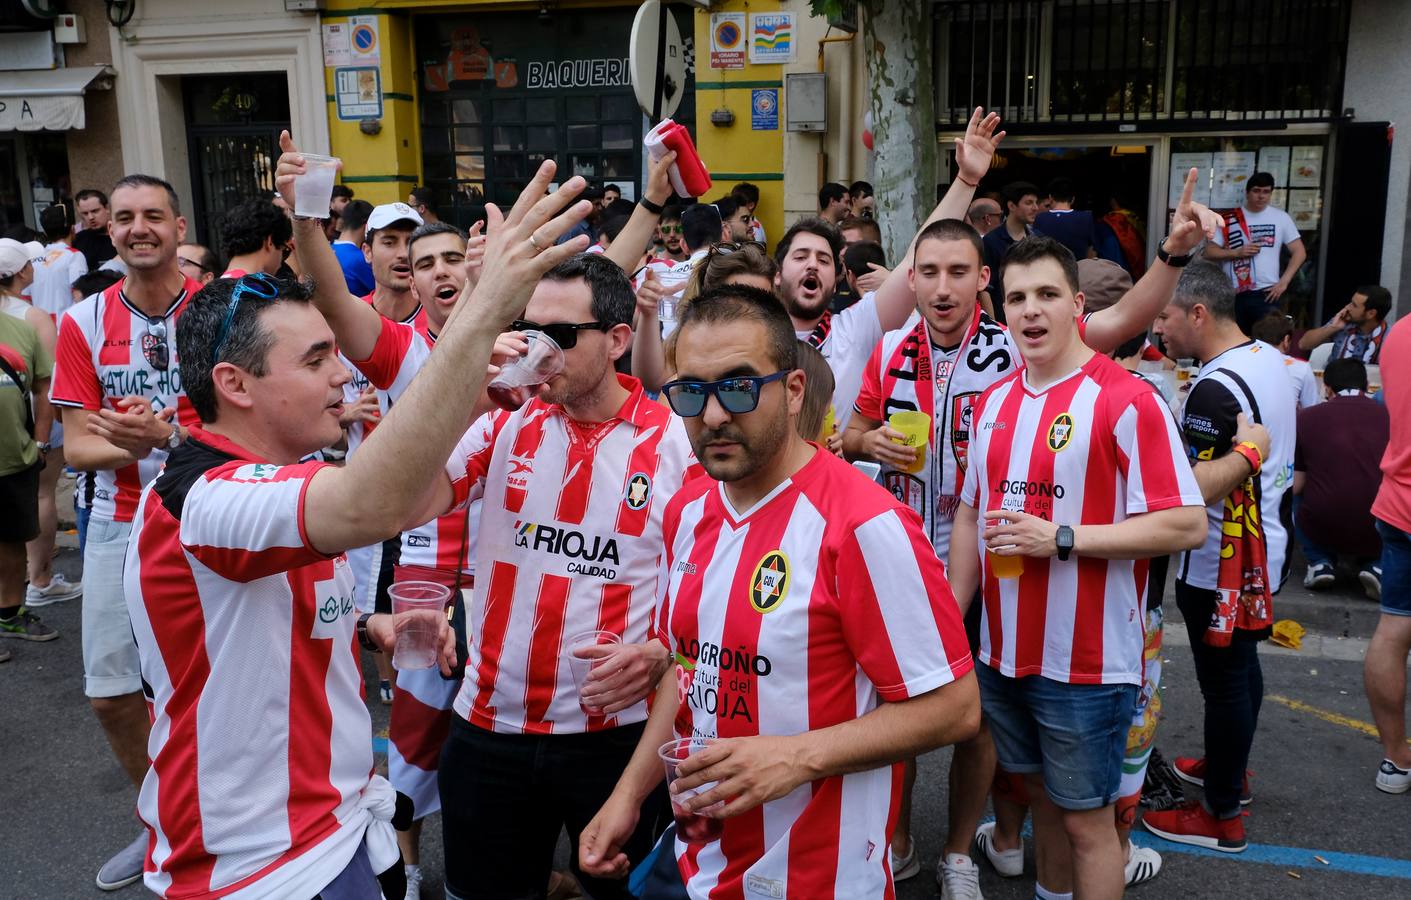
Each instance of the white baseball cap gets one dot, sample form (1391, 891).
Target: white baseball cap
(390, 213)
(14, 255)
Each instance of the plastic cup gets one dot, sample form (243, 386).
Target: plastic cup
(1374, 379)
(582, 658)
(313, 190)
(1003, 566)
(830, 425)
(419, 608)
(1184, 368)
(916, 430)
(515, 384)
(691, 827)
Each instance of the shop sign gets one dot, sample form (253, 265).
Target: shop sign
(578, 73)
(727, 40)
(48, 113)
(772, 37)
(359, 93)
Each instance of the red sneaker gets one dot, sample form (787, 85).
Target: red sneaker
(1192, 770)
(1191, 824)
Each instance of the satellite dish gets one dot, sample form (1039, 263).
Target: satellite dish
(657, 61)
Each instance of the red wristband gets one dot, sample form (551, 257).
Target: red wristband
(969, 184)
(1250, 453)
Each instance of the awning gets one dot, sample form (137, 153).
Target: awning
(47, 99)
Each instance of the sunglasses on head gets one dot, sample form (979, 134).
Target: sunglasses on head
(565, 334)
(725, 248)
(154, 345)
(736, 395)
(257, 285)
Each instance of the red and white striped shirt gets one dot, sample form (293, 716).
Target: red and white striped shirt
(1095, 448)
(260, 741)
(570, 541)
(807, 610)
(101, 357)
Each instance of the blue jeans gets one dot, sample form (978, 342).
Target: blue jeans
(1232, 684)
(1075, 734)
(81, 514)
(1396, 570)
(1316, 554)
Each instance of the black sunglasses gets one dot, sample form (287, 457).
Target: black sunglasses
(565, 334)
(257, 285)
(154, 344)
(736, 395)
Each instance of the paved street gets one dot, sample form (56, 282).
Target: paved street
(69, 806)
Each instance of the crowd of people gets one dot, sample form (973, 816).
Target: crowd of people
(822, 512)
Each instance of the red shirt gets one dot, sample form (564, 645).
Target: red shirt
(1393, 504)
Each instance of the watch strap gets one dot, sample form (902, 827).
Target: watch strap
(1064, 541)
(655, 209)
(1175, 262)
(363, 637)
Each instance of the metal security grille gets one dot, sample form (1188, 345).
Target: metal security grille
(228, 169)
(1063, 64)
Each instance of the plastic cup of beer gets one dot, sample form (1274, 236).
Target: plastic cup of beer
(419, 611)
(830, 425)
(1003, 566)
(691, 827)
(313, 190)
(517, 380)
(1184, 368)
(916, 430)
(1374, 379)
(584, 652)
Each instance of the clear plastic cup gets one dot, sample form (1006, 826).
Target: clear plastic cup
(916, 426)
(313, 191)
(691, 827)
(1185, 367)
(1374, 379)
(419, 608)
(1003, 566)
(515, 384)
(583, 655)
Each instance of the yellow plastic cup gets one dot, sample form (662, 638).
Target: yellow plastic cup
(916, 430)
(830, 425)
(1004, 566)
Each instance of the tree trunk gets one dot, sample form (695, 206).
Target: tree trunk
(898, 50)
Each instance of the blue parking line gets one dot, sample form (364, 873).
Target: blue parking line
(1289, 857)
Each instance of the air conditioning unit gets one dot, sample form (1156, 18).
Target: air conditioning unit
(846, 19)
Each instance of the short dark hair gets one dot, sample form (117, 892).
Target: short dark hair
(671, 213)
(872, 230)
(141, 181)
(95, 282)
(749, 191)
(1016, 191)
(860, 189)
(831, 192)
(613, 300)
(424, 196)
(245, 228)
(1130, 347)
(1378, 300)
(1205, 283)
(1037, 247)
(810, 225)
(247, 343)
(612, 187)
(727, 206)
(206, 259)
(619, 207)
(612, 226)
(1061, 189)
(736, 302)
(354, 215)
(953, 230)
(700, 225)
(54, 222)
(857, 257)
(1259, 180)
(342, 190)
(1345, 374)
(430, 228)
(89, 192)
(1272, 329)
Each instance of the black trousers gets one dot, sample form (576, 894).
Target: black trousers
(1251, 306)
(1232, 683)
(504, 798)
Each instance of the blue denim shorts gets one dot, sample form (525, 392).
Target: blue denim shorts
(1396, 570)
(1074, 734)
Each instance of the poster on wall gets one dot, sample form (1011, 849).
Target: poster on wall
(772, 37)
(727, 40)
(1280, 198)
(337, 50)
(1275, 161)
(764, 109)
(1181, 163)
(1305, 207)
(359, 93)
(1306, 168)
(1229, 173)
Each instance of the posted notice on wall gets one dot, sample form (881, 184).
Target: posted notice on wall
(359, 93)
(366, 43)
(773, 37)
(1306, 168)
(337, 50)
(1230, 172)
(764, 109)
(1182, 163)
(727, 40)
(1275, 161)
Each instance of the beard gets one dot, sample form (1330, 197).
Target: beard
(755, 450)
(800, 308)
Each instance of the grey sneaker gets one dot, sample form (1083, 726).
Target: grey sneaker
(57, 590)
(125, 867)
(26, 626)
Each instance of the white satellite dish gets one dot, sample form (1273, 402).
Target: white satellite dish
(657, 61)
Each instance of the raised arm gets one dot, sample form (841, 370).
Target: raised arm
(626, 249)
(895, 299)
(355, 324)
(1324, 333)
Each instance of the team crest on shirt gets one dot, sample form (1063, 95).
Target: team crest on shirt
(639, 491)
(1060, 432)
(770, 582)
(962, 417)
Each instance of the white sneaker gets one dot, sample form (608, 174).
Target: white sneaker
(904, 867)
(959, 878)
(1319, 575)
(1142, 864)
(1393, 779)
(58, 590)
(1009, 863)
(413, 882)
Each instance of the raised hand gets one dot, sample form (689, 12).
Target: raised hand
(974, 151)
(291, 166)
(1192, 222)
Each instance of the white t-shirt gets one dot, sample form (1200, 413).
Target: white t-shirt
(1305, 384)
(846, 340)
(677, 274)
(54, 275)
(1271, 229)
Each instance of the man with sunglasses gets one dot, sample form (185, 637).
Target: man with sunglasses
(816, 641)
(117, 384)
(701, 228)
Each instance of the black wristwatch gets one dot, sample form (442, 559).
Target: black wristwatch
(363, 637)
(1064, 540)
(655, 209)
(1175, 262)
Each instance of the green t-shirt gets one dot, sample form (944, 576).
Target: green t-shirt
(20, 346)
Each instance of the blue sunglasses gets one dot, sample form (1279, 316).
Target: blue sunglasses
(736, 395)
(257, 285)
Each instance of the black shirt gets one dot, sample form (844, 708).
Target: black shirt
(95, 246)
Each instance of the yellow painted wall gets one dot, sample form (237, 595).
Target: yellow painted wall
(737, 152)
